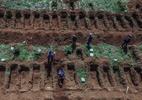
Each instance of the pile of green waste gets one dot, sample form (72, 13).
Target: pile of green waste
(21, 52)
(113, 53)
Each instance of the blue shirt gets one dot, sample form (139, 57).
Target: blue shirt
(49, 54)
(61, 73)
(127, 39)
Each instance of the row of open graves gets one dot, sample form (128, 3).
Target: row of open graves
(64, 19)
(33, 77)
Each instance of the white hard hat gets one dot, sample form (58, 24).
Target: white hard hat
(91, 33)
(74, 35)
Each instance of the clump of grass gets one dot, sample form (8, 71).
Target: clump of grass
(68, 49)
(81, 73)
(8, 54)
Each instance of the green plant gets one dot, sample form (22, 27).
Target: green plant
(23, 55)
(34, 54)
(6, 53)
(54, 4)
(68, 49)
(122, 7)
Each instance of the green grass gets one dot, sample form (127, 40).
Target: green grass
(81, 73)
(6, 53)
(111, 53)
(26, 4)
(68, 49)
(108, 51)
(104, 5)
(24, 53)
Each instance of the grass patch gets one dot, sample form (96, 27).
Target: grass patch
(68, 49)
(6, 54)
(104, 5)
(114, 54)
(24, 53)
(26, 4)
(81, 74)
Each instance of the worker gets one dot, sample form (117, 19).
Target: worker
(50, 61)
(50, 57)
(74, 39)
(126, 41)
(89, 40)
(61, 77)
(71, 3)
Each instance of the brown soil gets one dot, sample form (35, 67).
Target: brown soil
(29, 78)
(29, 81)
(135, 5)
(107, 27)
